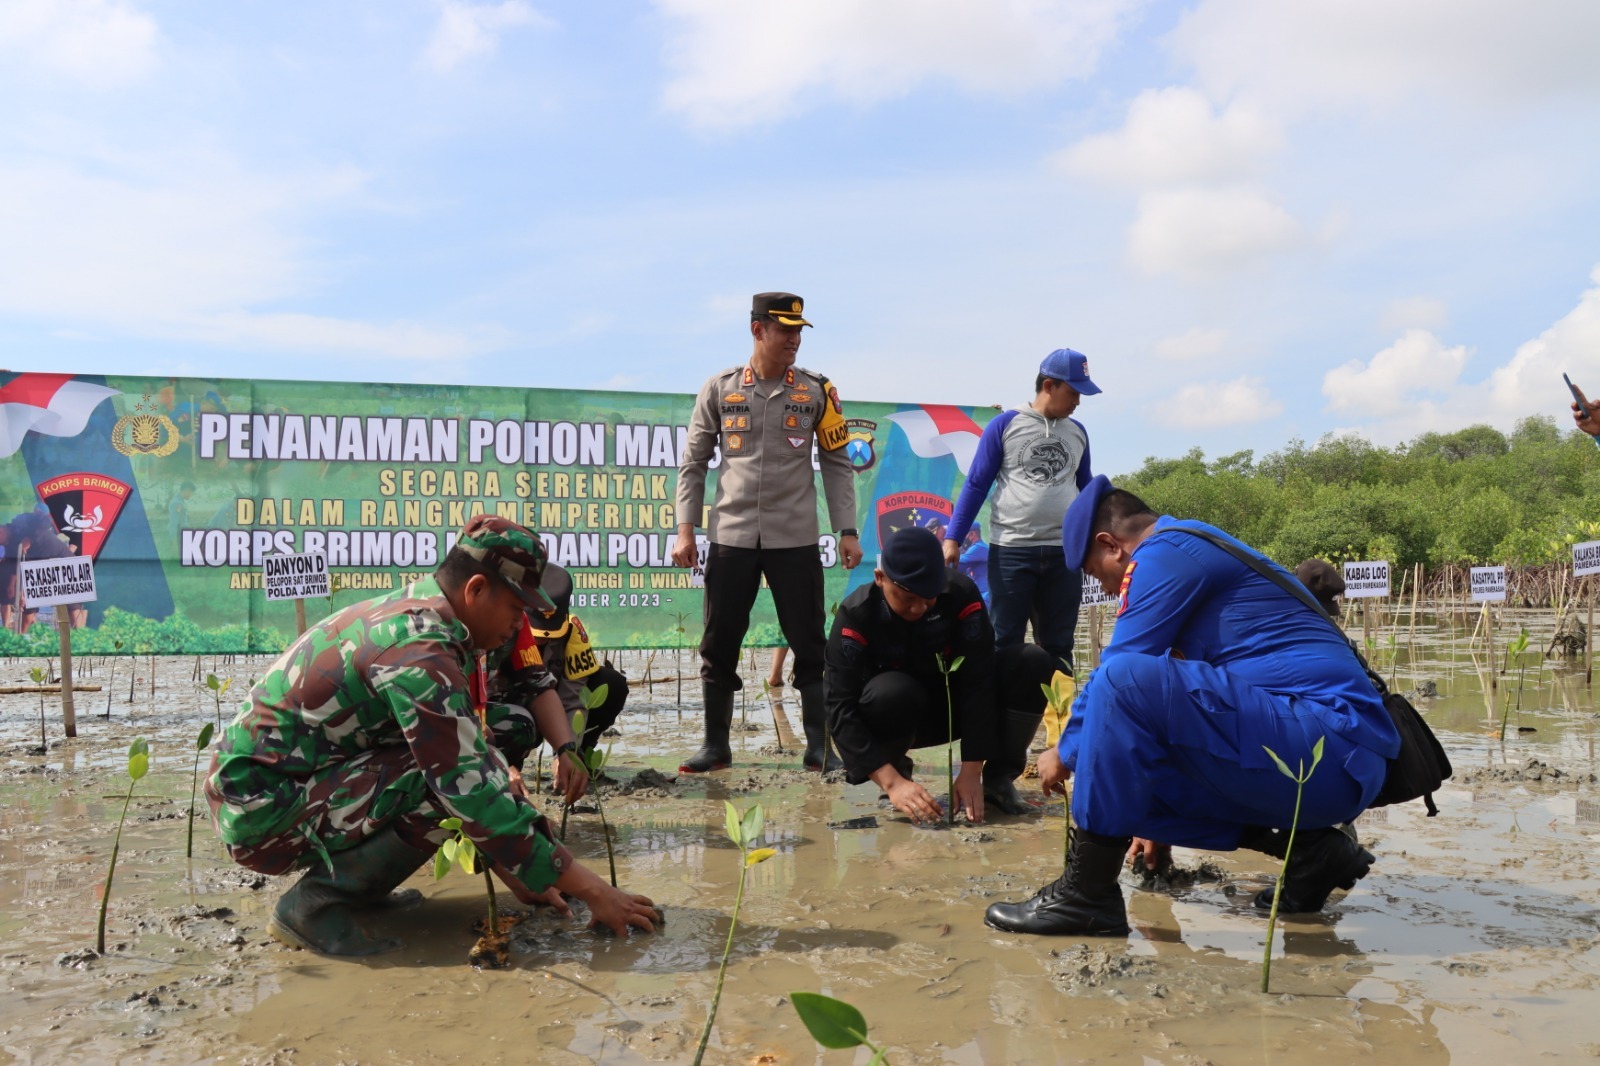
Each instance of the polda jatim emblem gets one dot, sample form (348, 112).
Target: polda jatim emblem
(147, 431)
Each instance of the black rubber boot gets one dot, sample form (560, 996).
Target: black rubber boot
(714, 754)
(814, 718)
(1322, 860)
(1017, 729)
(318, 912)
(1086, 900)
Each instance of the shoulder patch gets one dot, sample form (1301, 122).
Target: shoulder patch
(849, 634)
(832, 433)
(1122, 593)
(972, 608)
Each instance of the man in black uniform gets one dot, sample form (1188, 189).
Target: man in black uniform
(886, 688)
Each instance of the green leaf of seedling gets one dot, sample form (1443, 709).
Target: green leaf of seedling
(467, 855)
(956, 665)
(448, 849)
(205, 737)
(596, 761)
(938, 660)
(594, 697)
(227, 683)
(732, 823)
(1282, 768)
(1316, 754)
(750, 827)
(441, 864)
(579, 720)
(213, 682)
(37, 675)
(759, 855)
(831, 1022)
(452, 824)
(138, 759)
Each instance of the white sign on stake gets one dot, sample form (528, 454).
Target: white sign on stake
(1586, 558)
(1366, 580)
(1488, 584)
(50, 581)
(1092, 594)
(294, 577)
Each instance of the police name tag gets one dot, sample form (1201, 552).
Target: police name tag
(1586, 558)
(46, 582)
(1488, 584)
(295, 577)
(1366, 580)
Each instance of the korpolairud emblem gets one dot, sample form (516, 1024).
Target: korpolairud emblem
(147, 431)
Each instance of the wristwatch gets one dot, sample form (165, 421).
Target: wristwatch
(857, 532)
(571, 745)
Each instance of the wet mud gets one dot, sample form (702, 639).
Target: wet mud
(1474, 939)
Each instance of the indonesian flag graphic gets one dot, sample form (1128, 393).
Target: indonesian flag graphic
(57, 405)
(937, 429)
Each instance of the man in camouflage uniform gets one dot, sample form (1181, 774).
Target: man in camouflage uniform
(365, 734)
(765, 417)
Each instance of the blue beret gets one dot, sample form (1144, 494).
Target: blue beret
(1079, 520)
(913, 559)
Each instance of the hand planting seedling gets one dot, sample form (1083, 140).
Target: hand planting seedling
(833, 1023)
(950, 744)
(1299, 780)
(743, 831)
(218, 687)
(138, 766)
(493, 949)
(200, 746)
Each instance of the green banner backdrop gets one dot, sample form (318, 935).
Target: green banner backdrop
(178, 487)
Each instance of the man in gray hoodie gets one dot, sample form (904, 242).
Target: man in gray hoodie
(1035, 458)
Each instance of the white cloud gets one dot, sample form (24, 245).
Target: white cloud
(1173, 136)
(1413, 312)
(1199, 232)
(1531, 380)
(1395, 378)
(1375, 52)
(1231, 403)
(468, 30)
(317, 333)
(1200, 342)
(99, 43)
(736, 63)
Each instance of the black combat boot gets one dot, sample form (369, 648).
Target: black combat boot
(714, 754)
(1000, 773)
(814, 718)
(318, 912)
(1084, 901)
(1322, 860)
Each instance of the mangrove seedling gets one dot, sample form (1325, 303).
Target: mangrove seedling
(38, 676)
(950, 744)
(594, 761)
(200, 745)
(138, 766)
(1299, 780)
(111, 677)
(680, 617)
(835, 1024)
(493, 948)
(743, 830)
(1058, 696)
(219, 687)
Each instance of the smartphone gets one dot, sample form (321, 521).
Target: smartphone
(1583, 404)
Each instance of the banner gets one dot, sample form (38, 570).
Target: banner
(180, 489)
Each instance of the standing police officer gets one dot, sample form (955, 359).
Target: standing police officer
(765, 416)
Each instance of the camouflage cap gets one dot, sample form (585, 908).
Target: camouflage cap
(515, 552)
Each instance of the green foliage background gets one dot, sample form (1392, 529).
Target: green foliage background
(1473, 497)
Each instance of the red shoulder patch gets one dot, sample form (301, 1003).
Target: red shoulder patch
(849, 634)
(975, 605)
(1122, 593)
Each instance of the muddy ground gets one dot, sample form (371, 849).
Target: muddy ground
(1473, 940)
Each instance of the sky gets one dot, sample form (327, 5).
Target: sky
(1259, 220)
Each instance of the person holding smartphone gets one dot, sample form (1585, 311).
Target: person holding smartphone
(1585, 413)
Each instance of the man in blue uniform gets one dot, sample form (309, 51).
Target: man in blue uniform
(1210, 663)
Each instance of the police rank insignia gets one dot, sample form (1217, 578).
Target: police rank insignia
(791, 422)
(736, 422)
(735, 442)
(1122, 593)
(800, 397)
(733, 397)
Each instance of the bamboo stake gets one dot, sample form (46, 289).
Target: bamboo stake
(1588, 637)
(300, 616)
(1488, 640)
(69, 713)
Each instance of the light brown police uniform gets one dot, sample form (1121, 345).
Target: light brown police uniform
(764, 516)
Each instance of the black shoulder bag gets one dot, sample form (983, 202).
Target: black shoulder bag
(1421, 766)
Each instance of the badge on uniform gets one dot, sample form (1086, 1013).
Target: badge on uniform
(735, 442)
(800, 397)
(791, 422)
(736, 422)
(798, 442)
(1122, 593)
(733, 397)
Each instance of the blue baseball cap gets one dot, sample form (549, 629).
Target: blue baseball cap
(1078, 522)
(913, 559)
(1064, 364)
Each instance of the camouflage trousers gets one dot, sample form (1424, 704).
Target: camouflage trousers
(348, 802)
